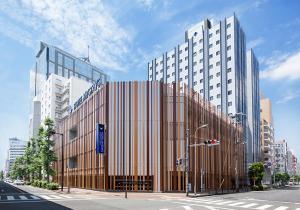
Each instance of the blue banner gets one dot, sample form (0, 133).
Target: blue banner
(100, 138)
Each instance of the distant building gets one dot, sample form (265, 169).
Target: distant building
(280, 153)
(16, 149)
(51, 60)
(291, 162)
(267, 138)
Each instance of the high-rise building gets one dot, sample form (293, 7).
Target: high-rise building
(52, 60)
(16, 149)
(212, 61)
(267, 138)
(58, 94)
(253, 105)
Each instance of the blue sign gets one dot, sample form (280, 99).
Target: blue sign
(100, 138)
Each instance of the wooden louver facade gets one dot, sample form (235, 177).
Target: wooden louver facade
(146, 124)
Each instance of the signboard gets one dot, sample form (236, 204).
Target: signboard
(100, 138)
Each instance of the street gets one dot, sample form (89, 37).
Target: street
(27, 197)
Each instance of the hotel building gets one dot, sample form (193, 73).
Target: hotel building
(146, 131)
(51, 60)
(212, 61)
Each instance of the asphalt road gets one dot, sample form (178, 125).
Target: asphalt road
(27, 197)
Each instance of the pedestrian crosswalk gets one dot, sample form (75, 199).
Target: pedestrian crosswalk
(30, 197)
(226, 204)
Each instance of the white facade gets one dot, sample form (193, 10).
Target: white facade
(16, 149)
(253, 105)
(280, 151)
(58, 94)
(212, 61)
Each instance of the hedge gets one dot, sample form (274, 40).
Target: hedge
(45, 185)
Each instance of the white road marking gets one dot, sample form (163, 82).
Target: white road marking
(10, 198)
(281, 208)
(55, 197)
(224, 202)
(264, 207)
(249, 205)
(187, 207)
(35, 197)
(23, 197)
(236, 204)
(45, 197)
(65, 196)
(163, 209)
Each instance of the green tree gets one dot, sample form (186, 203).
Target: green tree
(1, 175)
(256, 173)
(18, 170)
(47, 153)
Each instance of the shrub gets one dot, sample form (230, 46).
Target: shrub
(43, 184)
(52, 186)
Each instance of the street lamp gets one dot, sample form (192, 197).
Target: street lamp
(195, 165)
(237, 142)
(62, 158)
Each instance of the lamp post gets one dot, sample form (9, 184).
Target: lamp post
(62, 158)
(237, 142)
(187, 162)
(195, 165)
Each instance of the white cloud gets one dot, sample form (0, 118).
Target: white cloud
(254, 43)
(148, 4)
(288, 97)
(71, 25)
(285, 66)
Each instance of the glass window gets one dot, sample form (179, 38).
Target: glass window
(229, 36)
(229, 81)
(217, 42)
(228, 25)
(229, 47)
(69, 62)
(210, 35)
(59, 58)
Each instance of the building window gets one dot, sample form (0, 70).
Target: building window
(201, 40)
(218, 74)
(219, 84)
(161, 62)
(229, 92)
(228, 25)
(194, 73)
(180, 70)
(211, 77)
(210, 45)
(180, 61)
(173, 56)
(195, 53)
(229, 58)
(195, 63)
(194, 44)
(173, 64)
(210, 35)
(210, 56)
(186, 48)
(186, 67)
(173, 73)
(210, 66)
(73, 133)
(218, 53)
(217, 31)
(156, 73)
(201, 91)
(228, 36)
(217, 42)
(201, 50)
(230, 103)
(201, 70)
(168, 76)
(151, 68)
(201, 80)
(229, 81)
(219, 96)
(168, 58)
(180, 79)
(186, 77)
(211, 87)
(218, 63)
(229, 70)
(180, 51)
(201, 60)
(195, 83)
(161, 71)
(211, 98)
(229, 47)
(185, 58)
(168, 67)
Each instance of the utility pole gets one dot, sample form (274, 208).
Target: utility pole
(187, 163)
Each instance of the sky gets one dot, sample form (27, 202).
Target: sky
(124, 35)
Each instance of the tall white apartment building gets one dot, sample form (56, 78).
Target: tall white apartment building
(16, 149)
(280, 150)
(58, 94)
(212, 61)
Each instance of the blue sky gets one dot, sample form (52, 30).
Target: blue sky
(124, 35)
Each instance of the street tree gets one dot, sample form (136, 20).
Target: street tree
(256, 173)
(1, 175)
